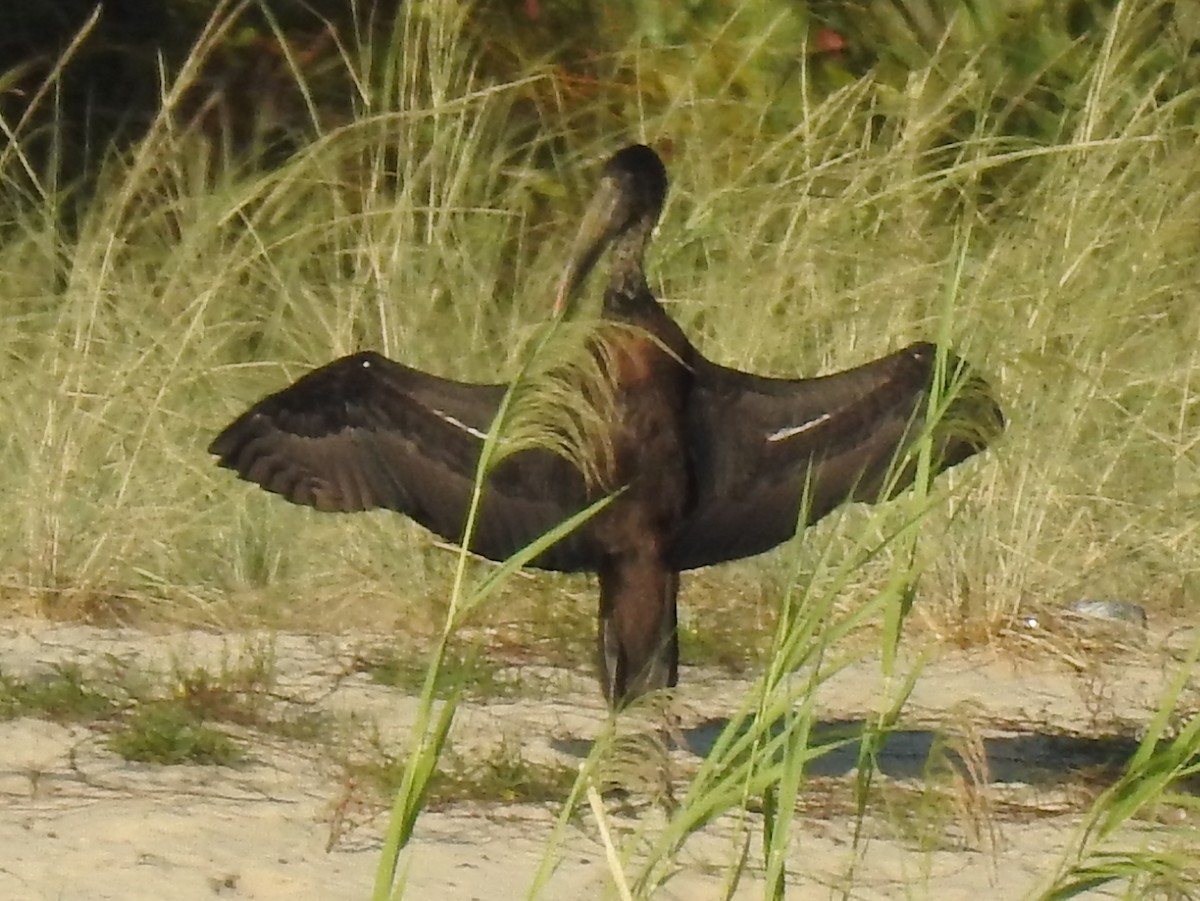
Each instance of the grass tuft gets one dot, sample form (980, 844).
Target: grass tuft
(63, 694)
(469, 670)
(168, 734)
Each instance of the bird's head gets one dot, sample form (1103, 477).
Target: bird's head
(627, 203)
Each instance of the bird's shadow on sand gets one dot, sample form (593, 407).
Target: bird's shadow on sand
(1039, 758)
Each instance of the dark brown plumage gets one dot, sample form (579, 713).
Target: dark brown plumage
(716, 464)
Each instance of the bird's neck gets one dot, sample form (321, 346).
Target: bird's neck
(628, 296)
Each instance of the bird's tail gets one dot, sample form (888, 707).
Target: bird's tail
(638, 647)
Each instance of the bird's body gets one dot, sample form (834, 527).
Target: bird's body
(652, 381)
(712, 464)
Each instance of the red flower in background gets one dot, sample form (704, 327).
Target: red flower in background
(827, 41)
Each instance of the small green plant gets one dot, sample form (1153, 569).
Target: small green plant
(469, 669)
(242, 694)
(502, 776)
(168, 733)
(64, 693)
(164, 718)
(177, 725)
(499, 775)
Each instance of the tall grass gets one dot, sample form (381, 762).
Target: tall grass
(189, 286)
(186, 290)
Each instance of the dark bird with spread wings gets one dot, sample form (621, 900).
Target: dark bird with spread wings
(715, 464)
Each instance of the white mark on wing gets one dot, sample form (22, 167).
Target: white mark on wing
(791, 430)
(459, 424)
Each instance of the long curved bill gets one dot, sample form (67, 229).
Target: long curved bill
(601, 220)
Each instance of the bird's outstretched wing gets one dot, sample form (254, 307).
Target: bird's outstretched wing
(765, 448)
(364, 432)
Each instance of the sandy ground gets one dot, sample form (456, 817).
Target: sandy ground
(78, 822)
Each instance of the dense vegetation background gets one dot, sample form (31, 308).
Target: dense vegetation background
(281, 69)
(200, 200)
